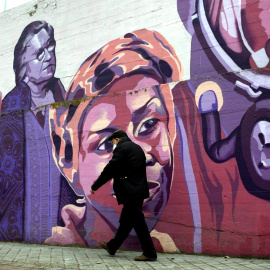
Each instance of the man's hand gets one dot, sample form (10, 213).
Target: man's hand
(92, 191)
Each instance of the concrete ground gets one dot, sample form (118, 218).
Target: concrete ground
(18, 256)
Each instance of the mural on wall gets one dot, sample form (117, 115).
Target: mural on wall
(206, 140)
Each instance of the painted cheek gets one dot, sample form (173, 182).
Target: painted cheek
(34, 69)
(163, 147)
(89, 170)
(146, 146)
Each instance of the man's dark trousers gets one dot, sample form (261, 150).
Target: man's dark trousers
(132, 217)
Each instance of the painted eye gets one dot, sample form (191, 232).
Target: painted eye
(106, 146)
(51, 46)
(40, 54)
(148, 126)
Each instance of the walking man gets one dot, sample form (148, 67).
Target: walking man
(128, 169)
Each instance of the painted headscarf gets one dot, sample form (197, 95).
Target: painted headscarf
(142, 52)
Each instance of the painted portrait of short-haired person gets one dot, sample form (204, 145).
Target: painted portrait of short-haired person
(32, 189)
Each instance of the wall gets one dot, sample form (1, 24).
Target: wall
(187, 81)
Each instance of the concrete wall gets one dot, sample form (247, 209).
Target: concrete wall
(188, 82)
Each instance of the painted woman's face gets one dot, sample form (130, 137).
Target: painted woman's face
(143, 115)
(40, 57)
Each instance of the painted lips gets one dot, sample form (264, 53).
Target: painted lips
(51, 65)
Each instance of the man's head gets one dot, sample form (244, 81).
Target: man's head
(34, 53)
(116, 137)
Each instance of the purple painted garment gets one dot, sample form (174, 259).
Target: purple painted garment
(42, 180)
(15, 182)
(11, 163)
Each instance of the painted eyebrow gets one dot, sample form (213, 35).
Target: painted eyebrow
(105, 130)
(42, 47)
(109, 130)
(140, 111)
(49, 41)
(46, 44)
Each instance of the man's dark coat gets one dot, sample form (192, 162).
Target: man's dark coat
(128, 169)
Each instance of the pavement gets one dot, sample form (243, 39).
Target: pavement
(20, 256)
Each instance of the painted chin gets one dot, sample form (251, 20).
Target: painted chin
(49, 71)
(150, 204)
(159, 194)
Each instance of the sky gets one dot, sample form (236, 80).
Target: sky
(8, 4)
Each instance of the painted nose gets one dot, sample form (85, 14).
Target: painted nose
(47, 55)
(150, 158)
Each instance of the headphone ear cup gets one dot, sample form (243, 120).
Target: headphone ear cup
(254, 178)
(267, 47)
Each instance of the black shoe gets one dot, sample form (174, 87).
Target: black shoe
(104, 245)
(143, 258)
